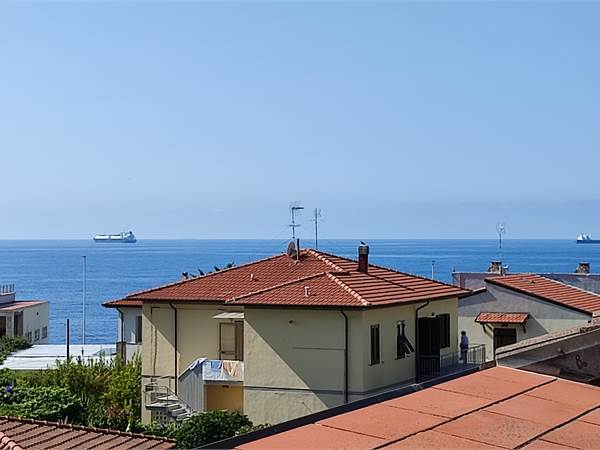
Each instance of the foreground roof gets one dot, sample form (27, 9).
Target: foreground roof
(316, 279)
(550, 290)
(501, 317)
(19, 434)
(20, 304)
(495, 408)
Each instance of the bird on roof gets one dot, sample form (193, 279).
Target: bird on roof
(200, 272)
(363, 243)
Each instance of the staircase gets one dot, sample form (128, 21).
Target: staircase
(162, 398)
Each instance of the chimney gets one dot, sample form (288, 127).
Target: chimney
(583, 267)
(363, 258)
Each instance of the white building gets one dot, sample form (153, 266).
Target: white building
(512, 308)
(27, 318)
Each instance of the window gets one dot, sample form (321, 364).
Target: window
(403, 345)
(36, 335)
(44, 332)
(138, 330)
(28, 336)
(375, 344)
(444, 321)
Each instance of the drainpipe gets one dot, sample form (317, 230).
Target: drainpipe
(175, 352)
(417, 340)
(345, 356)
(124, 351)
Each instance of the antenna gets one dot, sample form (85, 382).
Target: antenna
(295, 208)
(501, 230)
(84, 295)
(316, 221)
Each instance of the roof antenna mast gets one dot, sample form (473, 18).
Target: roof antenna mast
(316, 221)
(295, 208)
(501, 230)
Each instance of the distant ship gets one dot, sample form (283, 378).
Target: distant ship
(126, 237)
(587, 239)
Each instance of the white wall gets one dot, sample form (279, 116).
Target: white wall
(544, 316)
(129, 325)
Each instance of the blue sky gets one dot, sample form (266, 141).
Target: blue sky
(204, 120)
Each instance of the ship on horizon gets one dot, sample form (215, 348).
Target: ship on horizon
(584, 238)
(125, 237)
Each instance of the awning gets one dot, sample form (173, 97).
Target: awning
(229, 315)
(501, 317)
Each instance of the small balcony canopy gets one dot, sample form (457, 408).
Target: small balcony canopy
(230, 315)
(501, 317)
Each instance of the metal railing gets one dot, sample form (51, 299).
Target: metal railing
(434, 365)
(158, 395)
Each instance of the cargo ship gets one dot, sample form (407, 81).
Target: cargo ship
(586, 239)
(126, 237)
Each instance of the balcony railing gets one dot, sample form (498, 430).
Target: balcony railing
(431, 366)
(126, 350)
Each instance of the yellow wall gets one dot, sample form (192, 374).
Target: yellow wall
(197, 336)
(294, 359)
(229, 397)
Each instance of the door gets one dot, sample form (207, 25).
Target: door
(428, 359)
(504, 336)
(2, 326)
(18, 323)
(231, 337)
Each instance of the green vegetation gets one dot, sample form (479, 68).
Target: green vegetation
(211, 426)
(103, 394)
(12, 344)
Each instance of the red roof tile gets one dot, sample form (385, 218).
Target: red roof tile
(499, 317)
(527, 410)
(550, 290)
(16, 433)
(332, 281)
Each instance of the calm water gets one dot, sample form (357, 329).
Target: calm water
(52, 270)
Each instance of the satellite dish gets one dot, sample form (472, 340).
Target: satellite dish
(291, 249)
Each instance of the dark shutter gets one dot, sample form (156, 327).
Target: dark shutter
(444, 321)
(374, 344)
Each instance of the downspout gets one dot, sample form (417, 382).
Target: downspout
(123, 346)
(417, 340)
(122, 325)
(345, 356)
(175, 352)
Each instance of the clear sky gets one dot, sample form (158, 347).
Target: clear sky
(204, 120)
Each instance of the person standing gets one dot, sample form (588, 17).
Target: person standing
(464, 346)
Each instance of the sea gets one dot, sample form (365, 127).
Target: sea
(53, 270)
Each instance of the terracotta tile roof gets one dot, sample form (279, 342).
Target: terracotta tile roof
(499, 317)
(17, 433)
(491, 409)
(550, 290)
(123, 302)
(332, 281)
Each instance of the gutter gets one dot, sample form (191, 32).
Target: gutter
(122, 324)
(345, 356)
(175, 350)
(417, 340)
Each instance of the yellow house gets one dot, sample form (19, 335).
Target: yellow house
(291, 335)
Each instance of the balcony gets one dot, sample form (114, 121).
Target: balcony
(433, 366)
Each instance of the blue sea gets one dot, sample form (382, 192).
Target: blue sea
(53, 270)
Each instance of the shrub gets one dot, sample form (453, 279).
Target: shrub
(9, 345)
(249, 428)
(211, 426)
(157, 429)
(44, 403)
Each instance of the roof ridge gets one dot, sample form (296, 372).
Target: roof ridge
(323, 256)
(276, 286)
(145, 291)
(552, 280)
(348, 289)
(379, 266)
(83, 428)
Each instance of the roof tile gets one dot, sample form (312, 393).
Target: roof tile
(435, 440)
(551, 290)
(332, 281)
(579, 434)
(499, 317)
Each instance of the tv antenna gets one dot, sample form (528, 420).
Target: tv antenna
(316, 219)
(501, 230)
(295, 208)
